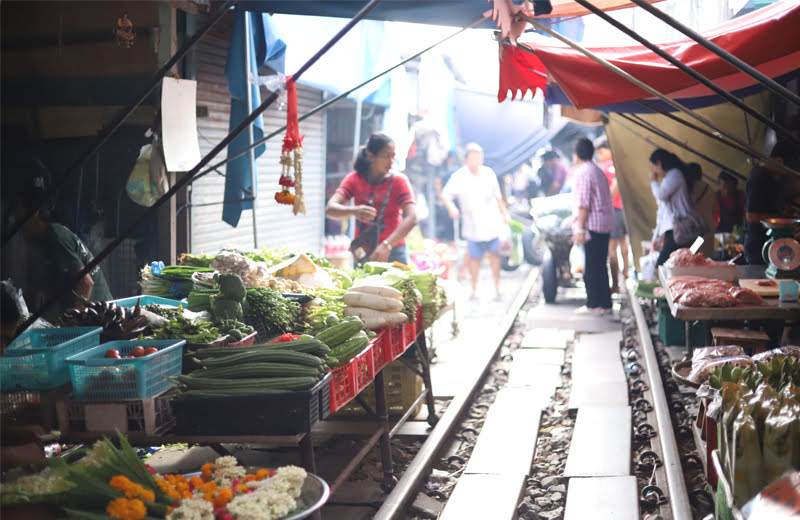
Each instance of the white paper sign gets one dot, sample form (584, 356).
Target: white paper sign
(696, 245)
(179, 124)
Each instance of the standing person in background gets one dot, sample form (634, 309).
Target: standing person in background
(618, 243)
(669, 189)
(730, 204)
(483, 213)
(370, 185)
(551, 175)
(703, 203)
(764, 198)
(593, 222)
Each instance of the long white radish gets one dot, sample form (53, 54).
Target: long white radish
(372, 301)
(378, 290)
(396, 318)
(372, 319)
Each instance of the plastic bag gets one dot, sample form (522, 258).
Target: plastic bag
(788, 350)
(704, 368)
(704, 353)
(747, 460)
(778, 446)
(148, 179)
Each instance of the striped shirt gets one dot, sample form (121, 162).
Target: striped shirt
(591, 192)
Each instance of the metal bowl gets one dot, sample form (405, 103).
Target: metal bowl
(313, 495)
(780, 223)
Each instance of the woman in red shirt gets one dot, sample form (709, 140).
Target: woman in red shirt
(368, 186)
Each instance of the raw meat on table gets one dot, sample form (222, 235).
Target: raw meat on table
(745, 296)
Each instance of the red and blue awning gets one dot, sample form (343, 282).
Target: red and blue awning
(766, 39)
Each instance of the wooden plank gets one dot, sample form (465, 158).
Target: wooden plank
(602, 498)
(601, 443)
(598, 394)
(484, 496)
(507, 440)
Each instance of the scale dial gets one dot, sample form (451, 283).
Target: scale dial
(784, 254)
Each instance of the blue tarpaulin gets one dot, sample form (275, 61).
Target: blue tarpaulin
(510, 133)
(266, 49)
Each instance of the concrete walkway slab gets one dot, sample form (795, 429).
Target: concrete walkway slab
(598, 394)
(601, 443)
(525, 374)
(507, 440)
(547, 338)
(602, 498)
(597, 373)
(484, 496)
(538, 357)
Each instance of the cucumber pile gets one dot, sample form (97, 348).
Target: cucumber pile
(345, 338)
(258, 369)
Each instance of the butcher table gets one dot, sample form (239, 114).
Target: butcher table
(771, 309)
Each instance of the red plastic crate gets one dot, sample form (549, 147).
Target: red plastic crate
(397, 340)
(381, 351)
(343, 386)
(409, 333)
(364, 368)
(418, 324)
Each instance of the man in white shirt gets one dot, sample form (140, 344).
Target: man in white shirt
(483, 212)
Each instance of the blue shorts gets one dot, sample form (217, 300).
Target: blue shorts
(478, 249)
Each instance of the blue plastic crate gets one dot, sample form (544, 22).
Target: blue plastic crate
(35, 360)
(97, 378)
(146, 299)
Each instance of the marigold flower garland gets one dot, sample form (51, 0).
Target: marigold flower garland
(292, 156)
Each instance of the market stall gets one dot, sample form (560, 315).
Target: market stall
(237, 347)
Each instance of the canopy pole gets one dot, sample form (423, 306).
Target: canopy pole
(768, 82)
(185, 179)
(250, 151)
(341, 96)
(785, 132)
(643, 124)
(654, 92)
(119, 119)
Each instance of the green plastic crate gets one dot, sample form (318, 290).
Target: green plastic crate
(673, 331)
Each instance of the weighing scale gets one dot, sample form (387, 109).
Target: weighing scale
(782, 251)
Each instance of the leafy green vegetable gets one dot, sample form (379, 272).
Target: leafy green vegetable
(277, 312)
(169, 313)
(231, 286)
(200, 299)
(224, 308)
(183, 328)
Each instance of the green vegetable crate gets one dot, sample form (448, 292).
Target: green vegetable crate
(672, 331)
(402, 387)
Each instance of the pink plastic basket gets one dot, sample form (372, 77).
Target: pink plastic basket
(245, 341)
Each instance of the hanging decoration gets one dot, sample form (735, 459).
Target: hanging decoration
(123, 32)
(292, 156)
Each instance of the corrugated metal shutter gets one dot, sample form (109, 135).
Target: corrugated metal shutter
(277, 226)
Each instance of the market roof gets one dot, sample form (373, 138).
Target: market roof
(458, 13)
(765, 38)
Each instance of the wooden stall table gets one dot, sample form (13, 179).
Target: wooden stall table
(770, 309)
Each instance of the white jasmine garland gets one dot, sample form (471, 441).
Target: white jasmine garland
(195, 508)
(226, 469)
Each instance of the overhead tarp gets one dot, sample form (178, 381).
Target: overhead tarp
(767, 39)
(457, 13)
(631, 146)
(509, 133)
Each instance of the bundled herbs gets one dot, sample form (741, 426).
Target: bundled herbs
(172, 281)
(200, 299)
(184, 328)
(277, 313)
(195, 260)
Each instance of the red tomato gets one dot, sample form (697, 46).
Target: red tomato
(112, 354)
(150, 350)
(137, 351)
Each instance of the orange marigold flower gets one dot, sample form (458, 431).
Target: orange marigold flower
(241, 488)
(120, 482)
(126, 509)
(261, 474)
(207, 470)
(249, 477)
(196, 482)
(223, 497)
(146, 494)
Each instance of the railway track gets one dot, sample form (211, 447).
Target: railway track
(660, 458)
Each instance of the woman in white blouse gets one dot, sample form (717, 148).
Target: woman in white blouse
(669, 188)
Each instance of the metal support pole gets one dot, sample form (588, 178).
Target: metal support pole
(729, 140)
(691, 72)
(768, 82)
(383, 426)
(251, 151)
(425, 361)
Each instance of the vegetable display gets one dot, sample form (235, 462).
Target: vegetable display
(184, 328)
(278, 314)
(378, 305)
(117, 322)
(235, 329)
(172, 281)
(345, 338)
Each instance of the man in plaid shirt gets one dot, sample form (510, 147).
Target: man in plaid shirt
(593, 221)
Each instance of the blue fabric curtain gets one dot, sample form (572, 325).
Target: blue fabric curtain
(267, 49)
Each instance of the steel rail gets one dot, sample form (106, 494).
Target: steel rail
(728, 139)
(119, 119)
(689, 71)
(395, 504)
(678, 496)
(765, 80)
(184, 180)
